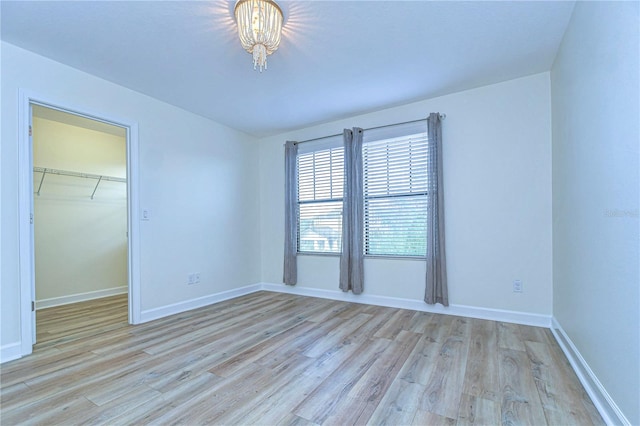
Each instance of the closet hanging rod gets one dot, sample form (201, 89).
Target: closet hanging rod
(47, 170)
(100, 178)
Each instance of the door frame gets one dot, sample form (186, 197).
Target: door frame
(25, 208)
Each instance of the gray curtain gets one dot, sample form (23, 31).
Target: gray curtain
(436, 285)
(352, 258)
(290, 213)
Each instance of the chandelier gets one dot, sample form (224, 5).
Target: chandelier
(259, 25)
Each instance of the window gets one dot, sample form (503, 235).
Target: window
(395, 191)
(320, 186)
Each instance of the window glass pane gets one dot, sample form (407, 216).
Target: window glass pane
(396, 226)
(320, 227)
(321, 175)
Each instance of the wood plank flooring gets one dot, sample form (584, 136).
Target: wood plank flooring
(270, 358)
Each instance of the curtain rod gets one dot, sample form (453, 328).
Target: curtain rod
(442, 117)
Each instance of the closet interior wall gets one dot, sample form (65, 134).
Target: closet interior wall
(80, 241)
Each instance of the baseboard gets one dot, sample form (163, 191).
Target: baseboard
(515, 317)
(80, 297)
(176, 308)
(607, 408)
(10, 352)
(524, 318)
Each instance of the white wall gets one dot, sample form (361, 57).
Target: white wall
(80, 243)
(497, 177)
(198, 179)
(594, 89)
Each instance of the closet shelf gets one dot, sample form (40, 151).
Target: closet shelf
(100, 178)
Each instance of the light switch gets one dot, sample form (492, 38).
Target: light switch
(146, 214)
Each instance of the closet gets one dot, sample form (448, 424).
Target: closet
(80, 208)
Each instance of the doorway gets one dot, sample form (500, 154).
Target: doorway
(80, 224)
(101, 184)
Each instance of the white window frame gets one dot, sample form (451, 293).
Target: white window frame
(388, 135)
(331, 143)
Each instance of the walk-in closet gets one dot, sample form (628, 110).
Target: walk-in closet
(80, 224)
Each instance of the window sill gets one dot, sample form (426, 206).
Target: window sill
(389, 257)
(316, 253)
(368, 256)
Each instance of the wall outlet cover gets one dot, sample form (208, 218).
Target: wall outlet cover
(517, 286)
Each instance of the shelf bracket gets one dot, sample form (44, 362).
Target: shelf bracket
(44, 173)
(95, 189)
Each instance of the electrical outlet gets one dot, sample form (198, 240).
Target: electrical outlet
(196, 277)
(517, 286)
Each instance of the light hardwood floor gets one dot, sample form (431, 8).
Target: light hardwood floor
(269, 358)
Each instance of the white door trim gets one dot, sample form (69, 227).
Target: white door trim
(25, 208)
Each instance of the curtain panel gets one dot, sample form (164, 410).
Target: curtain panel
(352, 257)
(290, 276)
(436, 279)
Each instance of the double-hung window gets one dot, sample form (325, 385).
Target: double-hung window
(395, 190)
(320, 192)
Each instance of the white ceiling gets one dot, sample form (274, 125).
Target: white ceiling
(336, 58)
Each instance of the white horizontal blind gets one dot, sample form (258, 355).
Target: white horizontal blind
(320, 192)
(395, 189)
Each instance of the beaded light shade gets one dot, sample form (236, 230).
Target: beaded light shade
(259, 27)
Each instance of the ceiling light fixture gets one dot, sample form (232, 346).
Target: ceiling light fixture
(259, 25)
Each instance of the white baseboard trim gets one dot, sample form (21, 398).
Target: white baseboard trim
(524, 318)
(80, 297)
(10, 352)
(187, 305)
(515, 317)
(608, 409)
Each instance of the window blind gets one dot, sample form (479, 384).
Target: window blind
(320, 192)
(395, 189)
